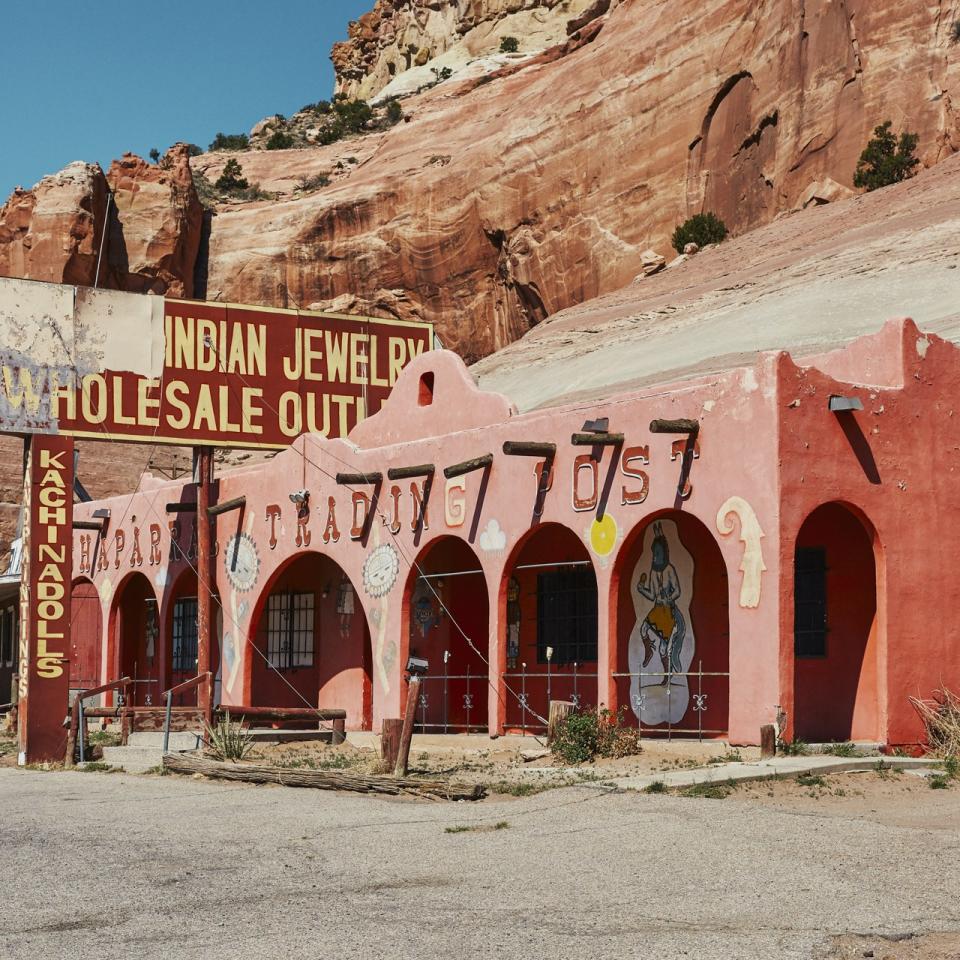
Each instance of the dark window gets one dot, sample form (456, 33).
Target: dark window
(810, 602)
(185, 635)
(567, 615)
(290, 630)
(9, 641)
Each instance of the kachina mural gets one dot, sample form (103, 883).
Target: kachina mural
(662, 641)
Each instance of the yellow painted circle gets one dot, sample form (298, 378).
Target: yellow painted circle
(603, 535)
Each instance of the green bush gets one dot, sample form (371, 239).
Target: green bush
(586, 734)
(280, 140)
(701, 229)
(793, 748)
(321, 106)
(885, 160)
(353, 114)
(154, 154)
(193, 150)
(230, 141)
(394, 112)
(440, 74)
(509, 45)
(232, 177)
(955, 32)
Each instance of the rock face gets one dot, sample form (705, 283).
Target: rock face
(155, 234)
(153, 224)
(398, 35)
(54, 231)
(512, 194)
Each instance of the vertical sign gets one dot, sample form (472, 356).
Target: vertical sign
(45, 599)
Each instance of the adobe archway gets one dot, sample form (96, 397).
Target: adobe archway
(135, 639)
(837, 685)
(446, 623)
(311, 642)
(548, 613)
(86, 635)
(672, 629)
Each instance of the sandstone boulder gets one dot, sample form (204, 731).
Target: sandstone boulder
(54, 231)
(691, 248)
(825, 190)
(155, 235)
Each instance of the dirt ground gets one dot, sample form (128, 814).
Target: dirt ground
(506, 767)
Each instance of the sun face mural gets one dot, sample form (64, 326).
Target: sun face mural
(662, 641)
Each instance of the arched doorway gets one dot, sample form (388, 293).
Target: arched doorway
(181, 635)
(312, 642)
(549, 649)
(447, 622)
(86, 636)
(135, 637)
(836, 636)
(672, 628)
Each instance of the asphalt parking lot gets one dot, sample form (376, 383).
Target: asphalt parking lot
(119, 866)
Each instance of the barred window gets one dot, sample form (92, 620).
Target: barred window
(567, 615)
(810, 602)
(290, 630)
(185, 635)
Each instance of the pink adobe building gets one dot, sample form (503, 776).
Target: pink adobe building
(788, 553)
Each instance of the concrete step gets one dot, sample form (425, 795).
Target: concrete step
(132, 759)
(179, 740)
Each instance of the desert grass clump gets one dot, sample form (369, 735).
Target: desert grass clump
(941, 720)
(228, 740)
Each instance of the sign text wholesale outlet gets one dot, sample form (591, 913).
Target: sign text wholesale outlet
(219, 374)
(76, 362)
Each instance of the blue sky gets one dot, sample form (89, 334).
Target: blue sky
(88, 81)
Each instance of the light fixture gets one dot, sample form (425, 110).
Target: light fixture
(301, 497)
(417, 666)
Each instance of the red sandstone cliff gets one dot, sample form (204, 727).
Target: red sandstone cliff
(512, 194)
(55, 231)
(525, 184)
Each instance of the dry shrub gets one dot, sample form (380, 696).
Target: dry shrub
(587, 733)
(941, 718)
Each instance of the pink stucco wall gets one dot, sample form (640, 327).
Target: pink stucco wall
(769, 453)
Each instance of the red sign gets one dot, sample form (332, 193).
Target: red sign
(45, 600)
(231, 376)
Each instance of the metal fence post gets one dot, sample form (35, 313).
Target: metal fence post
(81, 729)
(166, 722)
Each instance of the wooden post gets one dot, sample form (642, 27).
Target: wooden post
(204, 463)
(768, 741)
(559, 709)
(72, 735)
(390, 734)
(403, 754)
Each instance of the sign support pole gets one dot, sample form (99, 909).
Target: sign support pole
(203, 458)
(45, 588)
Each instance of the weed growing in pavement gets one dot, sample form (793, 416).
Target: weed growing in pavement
(524, 789)
(793, 748)
(97, 766)
(478, 827)
(939, 781)
(951, 767)
(811, 780)
(658, 786)
(159, 771)
(709, 791)
(840, 749)
(731, 756)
